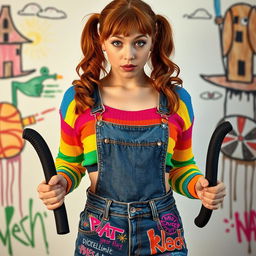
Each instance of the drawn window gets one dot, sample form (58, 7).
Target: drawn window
(6, 37)
(236, 19)
(241, 68)
(17, 51)
(5, 23)
(239, 36)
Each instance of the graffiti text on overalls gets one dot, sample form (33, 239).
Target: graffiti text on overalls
(107, 229)
(164, 243)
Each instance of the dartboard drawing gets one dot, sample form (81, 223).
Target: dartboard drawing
(240, 143)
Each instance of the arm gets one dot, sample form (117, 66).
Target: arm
(69, 159)
(70, 156)
(184, 173)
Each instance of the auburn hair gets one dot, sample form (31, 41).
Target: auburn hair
(121, 17)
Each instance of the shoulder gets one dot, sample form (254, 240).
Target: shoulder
(67, 107)
(183, 94)
(185, 110)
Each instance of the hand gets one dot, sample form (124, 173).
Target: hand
(53, 193)
(211, 197)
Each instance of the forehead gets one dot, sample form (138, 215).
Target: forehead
(133, 35)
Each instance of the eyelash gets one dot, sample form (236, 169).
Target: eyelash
(137, 42)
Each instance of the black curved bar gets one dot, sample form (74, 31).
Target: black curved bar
(211, 173)
(49, 169)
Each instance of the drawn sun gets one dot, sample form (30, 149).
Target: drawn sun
(122, 238)
(39, 32)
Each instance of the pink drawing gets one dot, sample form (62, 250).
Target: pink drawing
(11, 41)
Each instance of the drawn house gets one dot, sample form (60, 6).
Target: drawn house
(239, 42)
(11, 41)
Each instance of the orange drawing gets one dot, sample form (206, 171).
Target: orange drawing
(11, 145)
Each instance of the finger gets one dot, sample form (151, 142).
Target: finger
(54, 180)
(213, 196)
(54, 200)
(204, 182)
(212, 202)
(211, 207)
(216, 189)
(55, 206)
(44, 188)
(51, 193)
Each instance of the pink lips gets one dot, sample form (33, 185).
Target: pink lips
(129, 67)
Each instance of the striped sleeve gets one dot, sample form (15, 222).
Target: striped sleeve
(185, 173)
(70, 155)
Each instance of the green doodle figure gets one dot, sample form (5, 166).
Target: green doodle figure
(33, 87)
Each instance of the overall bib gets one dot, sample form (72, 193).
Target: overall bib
(131, 213)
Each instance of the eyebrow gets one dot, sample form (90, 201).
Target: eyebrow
(121, 37)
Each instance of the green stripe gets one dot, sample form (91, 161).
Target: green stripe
(178, 181)
(90, 158)
(71, 159)
(75, 180)
(183, 163)
(169, 159)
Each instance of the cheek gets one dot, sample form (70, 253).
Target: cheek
(112, 57)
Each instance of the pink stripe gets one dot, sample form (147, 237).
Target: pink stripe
(84, 118)
(66, 128)
(177, 120)
(140, 115)
(188, 133)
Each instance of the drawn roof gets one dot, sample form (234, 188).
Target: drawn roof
(14, 35)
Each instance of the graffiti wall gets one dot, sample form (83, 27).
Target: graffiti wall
(39, 50)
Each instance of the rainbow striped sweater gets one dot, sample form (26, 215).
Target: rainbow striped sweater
(78, 148)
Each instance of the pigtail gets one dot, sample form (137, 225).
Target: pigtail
(165, 72)
(90, 66)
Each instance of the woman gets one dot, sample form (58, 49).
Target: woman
(132, 133)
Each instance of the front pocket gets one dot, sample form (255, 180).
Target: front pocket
(90, 221)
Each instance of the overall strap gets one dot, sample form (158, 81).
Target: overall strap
(163, 109)
(97, 107)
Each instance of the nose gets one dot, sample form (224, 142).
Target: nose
(129, 52)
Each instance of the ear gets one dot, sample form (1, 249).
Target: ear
(227, 33)
(251, 28)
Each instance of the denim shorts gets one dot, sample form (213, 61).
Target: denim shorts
(109, 227)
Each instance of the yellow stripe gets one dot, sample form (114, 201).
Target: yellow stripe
(71, 117)
(183, 113)
(70, 150)
(183, 179)
(183, 155)
(171, 144)
(176, 173)
(90, 142)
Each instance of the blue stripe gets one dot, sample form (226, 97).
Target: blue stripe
(185, 97)
(67, 98)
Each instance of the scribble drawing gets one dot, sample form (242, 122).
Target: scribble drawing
(34, 87)
(238, 47)
(11, 46)
(11, 146)
(210, 95)
(34, 9)
(199, 13)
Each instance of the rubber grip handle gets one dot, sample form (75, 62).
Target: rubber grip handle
(49, 169)
(212, 167)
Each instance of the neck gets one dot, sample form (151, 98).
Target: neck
(128, 83)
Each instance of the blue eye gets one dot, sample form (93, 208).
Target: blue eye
(140, 43)
(116, 43)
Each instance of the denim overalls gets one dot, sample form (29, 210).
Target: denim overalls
(130, 213)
